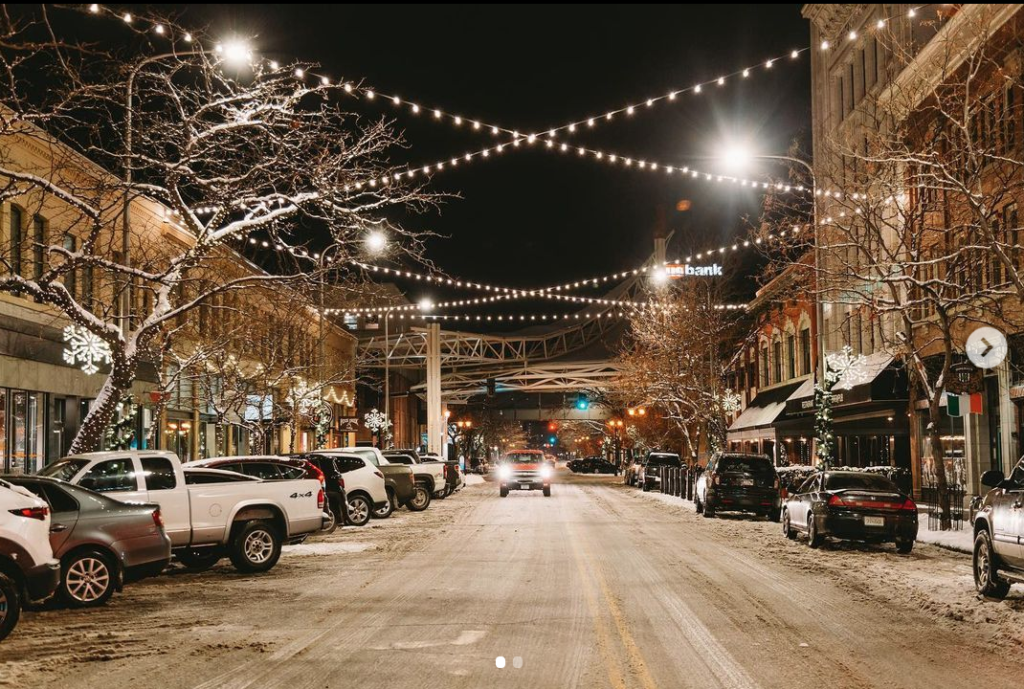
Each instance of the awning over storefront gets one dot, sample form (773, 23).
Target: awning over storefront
(764, 409)
(880, 387)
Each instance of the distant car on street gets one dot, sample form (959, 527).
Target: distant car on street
(853, 505)
(592, 465)
(998, 518)
(738, 482)
(632, 471)
(652, 470)
(101, 543)
(524, 470)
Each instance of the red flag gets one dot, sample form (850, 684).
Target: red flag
(976, 407)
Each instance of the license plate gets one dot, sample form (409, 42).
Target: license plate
(746, 481)
(524, 486)
(874, 521)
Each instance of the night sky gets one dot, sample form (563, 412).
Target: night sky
(531, 217)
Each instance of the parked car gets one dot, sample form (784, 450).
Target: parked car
(440, 475)
(651, 471)
(854, 505)
(101, 543)
(366, 485)
(524, 470)
(592, 465)
(266, 467)
(738, 482)
(998, 520)
(334, 484)
(632, 471)
(457, 474)
(409, 484)
(215, 514)
(271, 468)
(28, 570)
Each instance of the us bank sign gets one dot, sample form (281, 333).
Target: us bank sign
(685, 270)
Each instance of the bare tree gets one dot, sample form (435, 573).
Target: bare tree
(674, 359)
(158, 165)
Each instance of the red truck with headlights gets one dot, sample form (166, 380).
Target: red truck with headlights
(525, 470)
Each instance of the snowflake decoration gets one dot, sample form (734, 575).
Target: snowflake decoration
(846, 366)
(730, 401)
(305, 398)
(376, 421)
(85, 348)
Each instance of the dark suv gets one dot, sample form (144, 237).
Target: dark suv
(652, 470)
(334, 484)
(737, 482)
(998, 528)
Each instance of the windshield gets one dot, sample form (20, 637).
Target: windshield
(65, 469)
(860, 482)
(524, 458)
(666, 460)
(746, 465)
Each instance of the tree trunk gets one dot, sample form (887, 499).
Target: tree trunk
(90, 434)
(941, 484)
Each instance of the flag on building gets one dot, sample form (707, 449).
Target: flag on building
(962, 405)
(953, 406)
(976, 406)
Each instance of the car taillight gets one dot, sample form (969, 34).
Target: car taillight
(158, 518)
(32, 512)
(909, 505)
(836, 501)
(320, 499)
(341, 482)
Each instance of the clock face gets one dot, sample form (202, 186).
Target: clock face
(986, 347)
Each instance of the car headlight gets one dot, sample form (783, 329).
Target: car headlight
(545, 472)
(504, 472)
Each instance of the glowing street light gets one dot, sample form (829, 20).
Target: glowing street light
(235, 53)
(426, 305)
(376, 242)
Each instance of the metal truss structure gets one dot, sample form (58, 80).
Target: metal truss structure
(533, 360)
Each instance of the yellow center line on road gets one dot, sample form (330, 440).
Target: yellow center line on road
(589, 567)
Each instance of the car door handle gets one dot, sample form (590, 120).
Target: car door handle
(57, 528)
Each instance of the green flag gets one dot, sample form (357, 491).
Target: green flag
(953, 405)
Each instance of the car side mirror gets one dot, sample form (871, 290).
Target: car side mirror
(992, 478)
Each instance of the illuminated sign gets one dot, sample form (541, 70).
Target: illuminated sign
(685, 270)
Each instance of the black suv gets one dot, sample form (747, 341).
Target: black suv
(334, 483)
(737, 482)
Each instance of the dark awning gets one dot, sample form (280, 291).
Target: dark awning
(764, 408)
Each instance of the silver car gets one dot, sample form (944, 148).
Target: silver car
(101, 543)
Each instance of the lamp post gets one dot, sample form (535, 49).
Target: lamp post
(616, 426)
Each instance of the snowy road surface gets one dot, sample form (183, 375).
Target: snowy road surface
(597, 586)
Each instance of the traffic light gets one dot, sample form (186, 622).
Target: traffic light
(552, 440)
(492, 386)
(582, 403)
(552, 426)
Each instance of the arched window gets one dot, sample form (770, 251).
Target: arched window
(777, 361)
(16, 238)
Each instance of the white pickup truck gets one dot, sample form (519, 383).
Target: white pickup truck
(207, 513)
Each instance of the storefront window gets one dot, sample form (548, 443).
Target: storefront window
(951, 433)
(26, 452)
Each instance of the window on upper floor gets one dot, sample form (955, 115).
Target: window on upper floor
(777, 361)
(805, 351)
(790, 357)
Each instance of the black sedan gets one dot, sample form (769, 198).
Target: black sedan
(593, 465)
(852, 505)
(101, 543)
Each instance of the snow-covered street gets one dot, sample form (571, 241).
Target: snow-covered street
(598, 586)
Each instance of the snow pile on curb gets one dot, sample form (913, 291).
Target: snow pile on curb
(474, 479)
(961, 541)
(329, 548)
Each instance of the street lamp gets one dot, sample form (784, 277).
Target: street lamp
(737, 157)
(376, 242)
(616, 426)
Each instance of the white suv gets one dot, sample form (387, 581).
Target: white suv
(28, 571)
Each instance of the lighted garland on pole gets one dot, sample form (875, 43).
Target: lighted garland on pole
(120, 434)
(843, 370)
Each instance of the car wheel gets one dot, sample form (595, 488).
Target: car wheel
(986, 571)
(87, 579)
(385, 512)
(904, 545)
(504, 491)
(10, 605)
(709, 512)
(359, 509)
(814, 539)
(787, 528)
(441, 494)
(547, 491)
(645, 487)
(330, 522)
(199, 559)
(256, 547)
(698, 506)
(420, 499)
